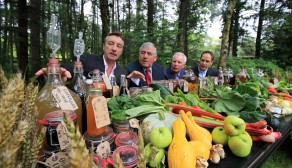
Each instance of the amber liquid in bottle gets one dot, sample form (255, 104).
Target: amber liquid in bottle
(45, 101)
(91, 126)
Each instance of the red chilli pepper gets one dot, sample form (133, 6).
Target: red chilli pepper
(272, 90)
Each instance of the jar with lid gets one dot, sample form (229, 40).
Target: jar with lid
(92, 130)
(51, 121)
(127, 138)
(108, 136)
(121, 126)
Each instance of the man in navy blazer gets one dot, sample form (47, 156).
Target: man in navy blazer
(137, 69)
(206, 61)
(176, 69)
(112, 49)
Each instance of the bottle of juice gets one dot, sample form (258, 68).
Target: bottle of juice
(56, 96)
(92, 130)
(99, 83)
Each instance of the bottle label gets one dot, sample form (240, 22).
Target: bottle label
(64, 141)
(64, 98)
(107, 82)
(100, 109)
(58, 160)
(171, 86)
(103, 150)
(116, 90)
(186, 86)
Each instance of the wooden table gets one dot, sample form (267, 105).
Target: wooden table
(260, 150)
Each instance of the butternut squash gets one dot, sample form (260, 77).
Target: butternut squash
(181, 153)
(202, 129)
(194, 132)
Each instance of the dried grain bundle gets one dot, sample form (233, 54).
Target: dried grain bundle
(3, 79)
(79, 155)
(11, 98)
(9, 150)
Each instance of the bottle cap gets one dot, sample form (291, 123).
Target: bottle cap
(78, 63)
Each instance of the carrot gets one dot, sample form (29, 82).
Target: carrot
(285, 95)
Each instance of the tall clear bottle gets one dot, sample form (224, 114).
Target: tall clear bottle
(123, 88)
(56, 96)
(78, 86)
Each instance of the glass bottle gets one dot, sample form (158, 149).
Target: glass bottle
(78, 86)
(123, 88)
(114, 91)
(220, 77)
(91, 126)
(46, 101)
(99, 83)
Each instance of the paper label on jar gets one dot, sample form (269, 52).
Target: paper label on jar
(100, 109)
(134, 123)
(58, 160)
(63, 138)
(107, 82)
(116, 90)
(103, 150)
(64, 98)
(186, 86)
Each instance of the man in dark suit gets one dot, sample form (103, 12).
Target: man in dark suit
(176, 69)
(145, 70)
(206, 61)
(112, 50)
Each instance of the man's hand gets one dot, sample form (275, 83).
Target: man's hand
(64, 73)
(136, 74)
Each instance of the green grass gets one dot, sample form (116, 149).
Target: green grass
(282, 157)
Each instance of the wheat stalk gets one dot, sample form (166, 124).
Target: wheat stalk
(79, 154)
(3, 79)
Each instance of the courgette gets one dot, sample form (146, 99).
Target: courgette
(164, 91)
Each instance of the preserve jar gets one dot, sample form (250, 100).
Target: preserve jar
(94, 141)
(127, 138)
(121, 126)
(128, 155)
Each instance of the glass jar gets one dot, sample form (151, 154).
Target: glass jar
(92, 130)
(121, 126)
(108, 136)
(134, 91)
(127, 138)
(128, 155)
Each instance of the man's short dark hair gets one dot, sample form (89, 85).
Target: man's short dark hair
(118, 34)
(208, 52)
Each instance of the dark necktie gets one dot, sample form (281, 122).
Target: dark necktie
(148, 76)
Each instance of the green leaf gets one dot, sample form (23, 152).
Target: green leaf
(229, 103)
(251, 116)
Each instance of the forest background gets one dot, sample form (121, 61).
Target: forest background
(172, 25)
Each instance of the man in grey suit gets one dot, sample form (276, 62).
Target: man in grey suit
(143, 71)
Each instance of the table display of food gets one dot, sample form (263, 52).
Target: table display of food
(189, 122)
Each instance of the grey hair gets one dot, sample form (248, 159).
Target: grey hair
(148, 45)
(180, 53)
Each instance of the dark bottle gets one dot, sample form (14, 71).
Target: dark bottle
(123, 87)
(78, 86)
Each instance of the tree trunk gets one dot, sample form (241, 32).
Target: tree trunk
(118, 16)
(35, 36)
(22, 40)
(150, 15)
(182, 25)
(104, 17)
(235, 30)
(259, 31)
(113, 16)
(225, 34)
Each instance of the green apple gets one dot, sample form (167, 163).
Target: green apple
(234, 125)
(240, 145)
(219, 136)
(154, 155)
(161, 137)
